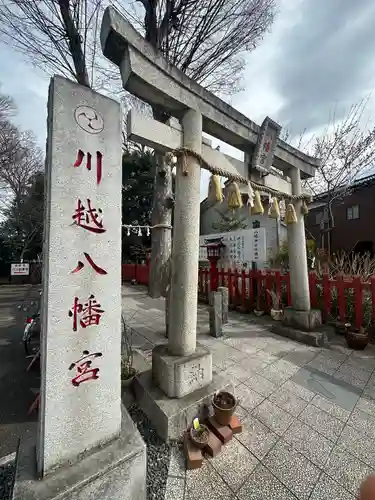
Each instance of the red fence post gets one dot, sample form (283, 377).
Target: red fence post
(326, 296)
(243, 289)
(313, 291)
(340, 286)
(230, 287)
(268, 286)
(214, 275)
(358, 301)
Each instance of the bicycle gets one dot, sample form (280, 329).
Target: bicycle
(31, 333)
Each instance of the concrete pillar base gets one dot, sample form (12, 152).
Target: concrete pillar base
(304, 320)
(178, 376)
(114, 471)
(172, 416)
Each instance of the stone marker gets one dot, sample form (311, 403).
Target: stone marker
(225, 303)
(216, 314)
(80, 419)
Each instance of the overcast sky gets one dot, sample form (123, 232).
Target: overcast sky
(319, 56)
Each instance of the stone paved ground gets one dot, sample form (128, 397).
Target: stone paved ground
(308, 413)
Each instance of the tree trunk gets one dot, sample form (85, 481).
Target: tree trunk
(161, 238)
(75, 44)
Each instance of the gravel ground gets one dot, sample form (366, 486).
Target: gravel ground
(6, 480)
(158, 454)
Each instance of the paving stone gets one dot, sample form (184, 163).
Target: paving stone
(300, 358)
(175, 488)
(329, 407)
(266, 357)
(241, 413)
(358, 445)
(205, 483)
(247, 398)
(322, 422)
(260, 384)
(177, 462)
(333, 389)
(362, 360)
(288, 401)
(346, 469)
(257, 437)
(369, 391)
(325, 363)
(354, 376)
(292, 469)
(234, 464)
(327, 489)
(363, 422)
(366, 405)
(262, 485)
(240, 371)
(305, 440)
(222, 361)
(274, 417)
(275, 375)
(299, 390)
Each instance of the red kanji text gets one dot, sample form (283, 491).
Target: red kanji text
(86, 314)
(81, 265)
(84, 371)
(99, 163)
(88, 218)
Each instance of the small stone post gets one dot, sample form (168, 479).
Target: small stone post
(185, 250)
(225, 303)
(216, 314)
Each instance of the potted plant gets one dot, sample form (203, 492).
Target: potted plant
(258, 311)
(224, 405)
(199, 434)
(276, 310)
(127, 371)
(356, 338)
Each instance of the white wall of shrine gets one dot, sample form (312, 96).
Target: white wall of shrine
(275, 231)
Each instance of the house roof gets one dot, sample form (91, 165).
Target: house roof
(357, 184)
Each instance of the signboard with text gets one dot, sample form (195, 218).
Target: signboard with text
(241, 247)
(20, 269)
(266, 145)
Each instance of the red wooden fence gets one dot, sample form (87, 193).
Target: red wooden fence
(332, 296)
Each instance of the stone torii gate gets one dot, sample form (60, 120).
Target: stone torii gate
(183, 367)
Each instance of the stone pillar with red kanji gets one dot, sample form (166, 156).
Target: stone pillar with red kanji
(81, 313)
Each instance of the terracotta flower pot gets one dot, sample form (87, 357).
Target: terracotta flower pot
(277, 314)
(224, 405)
(199, 438)
(357, 339)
